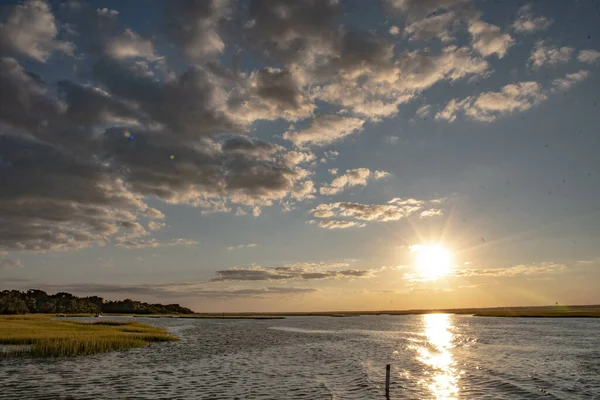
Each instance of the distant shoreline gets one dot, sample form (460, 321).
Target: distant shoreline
(577, 311)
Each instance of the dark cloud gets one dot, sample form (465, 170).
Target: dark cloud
(194, 27)
(301, 271)
(80, 157)
(30, 29)
(288, 30)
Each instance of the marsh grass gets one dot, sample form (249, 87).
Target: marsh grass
(42, 336)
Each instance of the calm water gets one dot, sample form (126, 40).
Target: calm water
(432, 356)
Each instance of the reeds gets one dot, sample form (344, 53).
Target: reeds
(41, 336)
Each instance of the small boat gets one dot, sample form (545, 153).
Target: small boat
(98, 315)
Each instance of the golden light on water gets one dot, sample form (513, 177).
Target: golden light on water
(432, 261)
(436, 354)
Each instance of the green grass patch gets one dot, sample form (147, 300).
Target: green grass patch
(42, 336)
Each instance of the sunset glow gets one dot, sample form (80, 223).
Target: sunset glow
(432, 261)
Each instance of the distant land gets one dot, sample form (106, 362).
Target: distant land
(35, 301)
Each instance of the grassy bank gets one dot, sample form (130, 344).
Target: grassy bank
(42, 336)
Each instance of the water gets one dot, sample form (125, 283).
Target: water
(432, 356)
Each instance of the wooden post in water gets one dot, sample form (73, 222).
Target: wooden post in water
(387, 380)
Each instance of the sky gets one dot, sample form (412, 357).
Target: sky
(300, 155)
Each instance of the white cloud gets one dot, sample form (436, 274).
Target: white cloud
(324, 129)
(140, 243)
(424, 111)
(394, 30)
(30, 29)
(395, 210)
(380, 174)
(517, 270)
(488, 39)
(334, 224)
(256, 211)
(570, 80)
(242, 246)
(305, 190)
(543, 55)
(588, 56)
(352, 177)
(154, 226)
(293, 158)
(492, 105)
(129, 44)
(449, 112)
(527, 23)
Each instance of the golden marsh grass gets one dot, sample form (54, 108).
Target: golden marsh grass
(42, 336)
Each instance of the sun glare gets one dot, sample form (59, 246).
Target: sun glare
(432, 261)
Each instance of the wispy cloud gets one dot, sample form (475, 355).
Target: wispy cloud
(517, 270)
(395, 210)
(528, 23)
(299, 271)
(352, 177)
(9, 263)
(242, 246)
(140, 243)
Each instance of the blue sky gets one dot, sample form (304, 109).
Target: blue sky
(245, 156)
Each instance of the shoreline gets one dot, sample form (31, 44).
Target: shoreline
(587, 311)
(591, 311)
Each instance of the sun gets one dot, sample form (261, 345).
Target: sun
(432, 261)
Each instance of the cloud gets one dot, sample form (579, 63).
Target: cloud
(437, 26)
(488, 39)
(394, 30)
(451, 109)
(570, 80)
(512, 98)
(423, 111)
(324, 129)
(527, 23)
(141, 244)
(517, 270)
(293, 158)
(543, 55)
(129, 44)
(395, 210)
(415, 9)
(386, 83)
(492, 105)
(290, 30)
(194, 27)
(588, 56)
(175, 290)
(299, 271)
(154, 226)
(129, 125)
(31, 30)
(9, 263)
(352, 177)
(334, 224)
(242, 246)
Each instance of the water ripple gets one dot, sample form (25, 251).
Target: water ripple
(331, 358)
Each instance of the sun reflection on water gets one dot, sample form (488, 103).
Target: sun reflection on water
(443, 377)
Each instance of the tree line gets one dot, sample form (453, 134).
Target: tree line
(38, 301)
